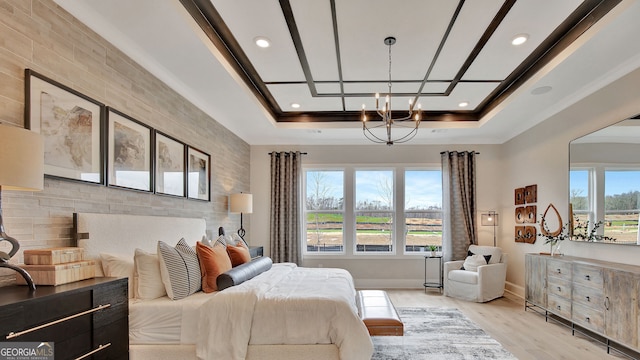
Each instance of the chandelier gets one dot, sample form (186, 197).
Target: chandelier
(409, 124)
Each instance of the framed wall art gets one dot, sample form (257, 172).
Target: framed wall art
(129, 150)
(198, 174)
(71, 125)
(170, 165)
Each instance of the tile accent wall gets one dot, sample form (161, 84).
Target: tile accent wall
(39, 35)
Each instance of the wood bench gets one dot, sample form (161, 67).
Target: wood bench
(378, 313)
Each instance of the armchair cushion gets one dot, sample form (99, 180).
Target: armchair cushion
(467, 277)
(472, 262)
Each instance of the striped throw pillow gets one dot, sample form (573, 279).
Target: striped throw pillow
(180, 269)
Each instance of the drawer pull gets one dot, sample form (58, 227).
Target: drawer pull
(587, 277)
(588, 320)
(99, 348)
(558, 307)
(606, 302)
(588, 299)
(559, 272)
(20, 333)
(559, 289)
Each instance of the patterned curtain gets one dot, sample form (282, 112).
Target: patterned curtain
(285, 207)
(459, 204)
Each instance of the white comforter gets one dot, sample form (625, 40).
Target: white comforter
(285, 305)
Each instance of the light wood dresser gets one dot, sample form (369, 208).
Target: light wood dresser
(596, 298)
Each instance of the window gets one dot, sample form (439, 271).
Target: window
(324, 210)
(391, 210)
(374, 210)
(422, 209)
(621, 197)
(579, 195)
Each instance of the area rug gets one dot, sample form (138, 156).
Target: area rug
(438, 333)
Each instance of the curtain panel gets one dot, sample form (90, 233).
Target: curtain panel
(459, 203)
(285, 229)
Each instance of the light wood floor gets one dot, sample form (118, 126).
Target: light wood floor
(525, 334)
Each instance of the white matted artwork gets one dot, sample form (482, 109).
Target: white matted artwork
(129, 147)
(71, 125)
(170, 165)
(199, 174)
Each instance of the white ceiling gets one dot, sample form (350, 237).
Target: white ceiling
(164, 38)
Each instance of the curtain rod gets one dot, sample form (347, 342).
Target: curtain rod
(302, 153)
(442, 152)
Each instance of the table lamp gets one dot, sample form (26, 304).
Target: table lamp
(243, 204)
(21, 168)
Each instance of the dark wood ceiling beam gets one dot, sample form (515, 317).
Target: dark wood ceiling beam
(584, 17)
(211, 23)
(323, 117)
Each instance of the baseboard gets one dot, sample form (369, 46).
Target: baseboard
(514, 289)
(389, 283)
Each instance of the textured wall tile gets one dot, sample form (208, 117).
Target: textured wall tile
(67, 51)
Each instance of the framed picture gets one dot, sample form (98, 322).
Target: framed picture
(71, 125)
(170, 167)
(129, 160)
(198, 174)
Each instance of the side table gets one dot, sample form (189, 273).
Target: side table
(438, 284)
(256, 251)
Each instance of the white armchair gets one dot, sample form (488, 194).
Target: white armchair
(485, 284)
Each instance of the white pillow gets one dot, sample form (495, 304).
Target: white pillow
(118, 266)
(147, 276)
(472, 262)
(206, 241)
(180, 269)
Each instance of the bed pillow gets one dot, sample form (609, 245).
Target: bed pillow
(244, 272)
(472, 262)
(180, 269)
(146, 275)
(118, 266)
(239, 254)
(213, 262)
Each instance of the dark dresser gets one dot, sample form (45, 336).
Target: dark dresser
(86, 319)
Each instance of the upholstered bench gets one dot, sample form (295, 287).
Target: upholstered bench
(378, 313)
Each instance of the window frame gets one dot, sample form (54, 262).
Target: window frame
(349, 219)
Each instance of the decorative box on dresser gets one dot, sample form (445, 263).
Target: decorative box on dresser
(597, 298)
(86, 319)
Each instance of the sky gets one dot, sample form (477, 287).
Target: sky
(422, 188)
(616, 182)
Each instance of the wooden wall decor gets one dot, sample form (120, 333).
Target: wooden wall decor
(543, 225)
(530, 214)
(519, 234)
(531, 194)
(530, 234)
(526, 214)
(520, 214)
(519, 196)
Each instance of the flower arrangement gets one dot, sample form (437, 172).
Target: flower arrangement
(581, 230)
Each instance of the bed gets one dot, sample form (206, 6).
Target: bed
(287, 312)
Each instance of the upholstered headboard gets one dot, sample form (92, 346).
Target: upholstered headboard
(119, 234)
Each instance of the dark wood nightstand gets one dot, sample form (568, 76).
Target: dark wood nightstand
(80, 318)
(256, 251)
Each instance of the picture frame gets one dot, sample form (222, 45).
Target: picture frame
(129, 152)
(198, 174)
(72, 126)
(170, 170)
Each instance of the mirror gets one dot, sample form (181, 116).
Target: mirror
(604, 184)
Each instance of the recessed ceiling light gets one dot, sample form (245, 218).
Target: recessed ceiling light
(541, 90)
(295, 105)
(463, 104)
(519, 39)
(262, 42)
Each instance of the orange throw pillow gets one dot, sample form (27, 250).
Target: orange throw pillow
(213, 262)
(239, 254)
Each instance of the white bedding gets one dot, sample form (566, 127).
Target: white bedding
(165, 321)
(286, 305)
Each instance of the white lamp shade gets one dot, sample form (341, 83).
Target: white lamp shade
(241, 203)
(21, 159)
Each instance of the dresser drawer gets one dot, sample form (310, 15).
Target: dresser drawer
(588, 275)
(559, 306)
(588, 296)
(559, 287)
(559, 269)
(588, 318)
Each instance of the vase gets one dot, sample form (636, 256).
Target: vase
(555, 249)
